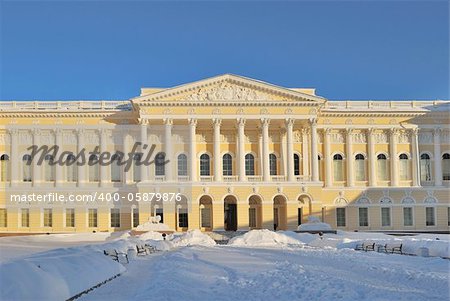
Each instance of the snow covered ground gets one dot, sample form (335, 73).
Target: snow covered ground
(258, 265)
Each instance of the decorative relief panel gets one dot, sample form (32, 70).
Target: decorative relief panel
(381, 137)
(25, 138)
(227, 91)
(155, 138)
(403, 137)
(297, 136)
(228, 138)
(47, 138)
(360, 138)
(274, 138)
(337, 138)
(445, 137)
(4, 139)
(425, 138)
(91, 137)
(204, 138)
(181, 139)
(70, 138)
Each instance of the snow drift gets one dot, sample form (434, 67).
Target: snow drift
(264, 238)
(192, 238)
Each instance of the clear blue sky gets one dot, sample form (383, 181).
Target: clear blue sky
(109, 49)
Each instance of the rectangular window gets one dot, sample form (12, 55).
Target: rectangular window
(385, 217)
(135, 217)
(252, 217)
(70, 217)
(183, 218)
(3, 218)
(92, 218)
(48, 218)
(340, 217)
(430, 217)
(299, 216)
(115, 218)
(363, 217)
(407, 216)
(160, 212)
(206, 217)
(25, 218)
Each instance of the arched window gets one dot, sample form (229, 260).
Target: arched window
(404, 169)
(273, 164)
(49, 169)
(4, 168)
(115, 168)
(137, 167)
(249, 165)
(338, 168)
(360, 167)
(296, 165)
(446, 167)
(227, 165)
(159, 164)
(382, 167)
(205, 169)
(94, 169)
(425, 168)
(26, 168)
(71, 168)
(182, 165)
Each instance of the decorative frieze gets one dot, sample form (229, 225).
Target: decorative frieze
(337, 138)
(403, 137)
(381, 137)
(425, 138)
(359, 138)
(226, 91)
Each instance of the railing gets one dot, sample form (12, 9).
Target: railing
(254, 178)
(65, 105)
(303, 178)
(278, 178)
(183, 178)
(206, 178)
(230, 178)
(160, 178)
(387, 105)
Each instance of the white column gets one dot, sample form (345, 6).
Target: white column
(283, 153)
(15, 158)
(305, 153)
(372, 158)
(314, 152)
(216, 148)
(265, 135)
(350, 159)
(241, 150)
(193, 150)
(168, 123)
(58, 168)
(393, 157)
(127, 176)
(437, 157)
(104, 170)
(81, 172)
(260, 153)
(290, 149)
(415, 157)
(36, 168)
(327, 158)
(144, 149)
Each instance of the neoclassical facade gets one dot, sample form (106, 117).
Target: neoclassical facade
(229, 153)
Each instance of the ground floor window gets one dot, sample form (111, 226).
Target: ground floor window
(3, 218)
(159, 211)
(252, 217)
(407, 216)
(430, 216)
(25, 218)
(92, 218)
(299, 216)
(135, 217)
(206, 218)
(448, 216)
(70, 217)
(48, 217)
(183, 218)
(115, 218)
(363, 217)
(385, 217)
(340, 217)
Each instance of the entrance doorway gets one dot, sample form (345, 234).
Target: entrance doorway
(230, 213)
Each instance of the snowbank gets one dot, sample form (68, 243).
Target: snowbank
(161, 245)
(149, 226)
(314, 224)
(151, 235)
(55, 275)
(266, 238)
(191, 238)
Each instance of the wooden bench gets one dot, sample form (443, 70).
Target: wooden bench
(116, 255)
(145, 249)
(365, 246)
(391, 248)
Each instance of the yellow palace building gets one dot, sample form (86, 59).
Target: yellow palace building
(230, 153)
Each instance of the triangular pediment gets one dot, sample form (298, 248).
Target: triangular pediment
(228, 88)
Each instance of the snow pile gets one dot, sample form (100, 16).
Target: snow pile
(265, 238)
(153, 224)
(192, 238)
(151, 235)
(161, 245)
(314, 224)
(55, 275)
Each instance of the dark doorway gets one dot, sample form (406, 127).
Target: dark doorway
(230, 214)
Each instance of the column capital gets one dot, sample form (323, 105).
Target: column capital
(349, 132)
(14, 132)
(143, 121)
(414, 131)
(241, 121)
(394, 131)
(168, 121)
(313, 121)
(437, 131)
(327, 131)
(265, 121)
(192, 121)
(80, 132)
(36, 132)
(370, 131)
(217, 121)
(290, 122)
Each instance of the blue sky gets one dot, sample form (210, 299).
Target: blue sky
(109, 49)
